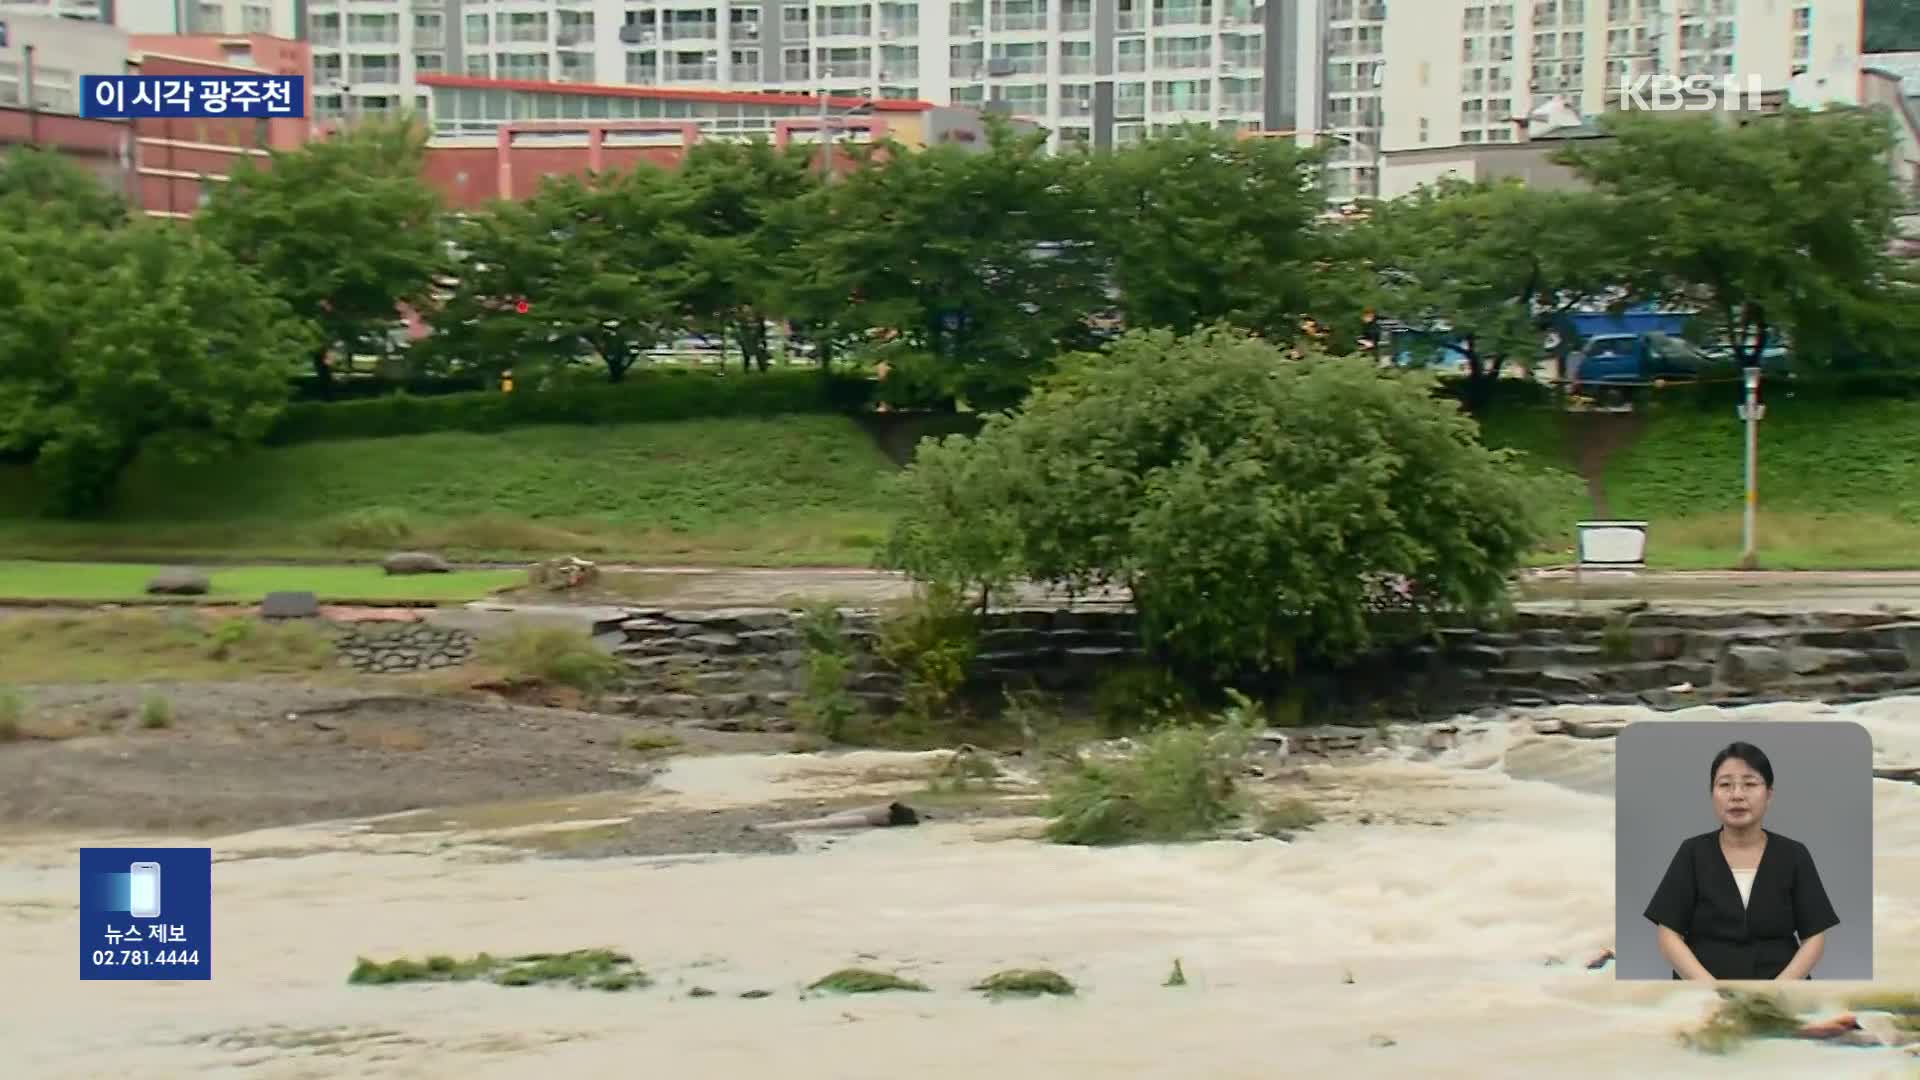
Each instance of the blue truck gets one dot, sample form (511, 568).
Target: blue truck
(1644, 346)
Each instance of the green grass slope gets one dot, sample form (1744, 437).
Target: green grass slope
(781, 491)
(1839, 485)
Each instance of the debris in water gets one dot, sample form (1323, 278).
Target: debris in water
(1025, 983)
(864, 981)
(892, 815)
(1178, 977)
(597, 969)
(1380, 1041)
(1600, 960)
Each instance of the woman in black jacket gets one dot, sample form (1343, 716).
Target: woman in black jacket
(1741, 902)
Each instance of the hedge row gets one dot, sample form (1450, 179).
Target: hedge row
(645, 396)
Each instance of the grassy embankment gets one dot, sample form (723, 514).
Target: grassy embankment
(1839, 483)
(794, 490)
(1839, 486)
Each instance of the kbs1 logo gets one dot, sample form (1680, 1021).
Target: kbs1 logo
(1692, 93)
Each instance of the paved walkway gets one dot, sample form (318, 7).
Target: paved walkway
(734, 587)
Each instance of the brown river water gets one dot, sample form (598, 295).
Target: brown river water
(1413, 945)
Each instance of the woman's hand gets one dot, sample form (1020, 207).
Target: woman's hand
(1805, 959)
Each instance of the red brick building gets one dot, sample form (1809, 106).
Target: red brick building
(495, 138)
(162, 165)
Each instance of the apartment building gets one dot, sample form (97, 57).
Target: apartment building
(1095, 72)
(277, 17)
(1472, 71)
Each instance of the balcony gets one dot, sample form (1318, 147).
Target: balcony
(1129, 22)
(690, 31)
(1241, 102)
(1130, 108)
(1022, 21)
(964, 68)
(1075, 107)
(1020, 65)
(964, 23)
(325, 39)
(744, 33)
(846, 28)
(794, 73)
(1130, 62)
(709, 72)
(897, 29)
(369, 36)
(1072, 22)
(1076, 65)
(1180, 103)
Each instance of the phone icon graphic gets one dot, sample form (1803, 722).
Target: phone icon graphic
(143, 893)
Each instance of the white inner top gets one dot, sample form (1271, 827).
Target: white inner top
(1744, 879)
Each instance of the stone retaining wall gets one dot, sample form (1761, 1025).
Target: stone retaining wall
(746, 667)
(382, 647)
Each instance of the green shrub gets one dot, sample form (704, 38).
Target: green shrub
(1128, 699)
(826, 708)
(931, 643)
(1251, 505)
(13, 710)
(156, 712)
(559, 656)
(666, 394)
(1179, 783)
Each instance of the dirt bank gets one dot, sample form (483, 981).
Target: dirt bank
(235, 756)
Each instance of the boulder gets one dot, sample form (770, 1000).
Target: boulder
(1752, 666)
(289, 605)
(414, 562)
(179, 583)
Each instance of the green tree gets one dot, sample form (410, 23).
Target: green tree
(983, 261)
(344, 229)
(599, 261)
(145, 339)
(736, 222)
(1779, 227)
(1494, 264)
(1200, 227)
(1254, 507)
(40, 186)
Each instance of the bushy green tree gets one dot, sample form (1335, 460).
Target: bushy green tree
(736, 222)
(1775, 228)
(42, 187)
(1494, 264)
(599, 262)
(1199, 227)
(344, 229)
(145, 339)
(980, 259)
(1254, 506)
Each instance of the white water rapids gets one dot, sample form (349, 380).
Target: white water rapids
(1472, 869)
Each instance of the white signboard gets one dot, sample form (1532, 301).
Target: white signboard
(1612, 543)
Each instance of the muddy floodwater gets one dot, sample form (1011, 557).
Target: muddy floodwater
(1408, 936)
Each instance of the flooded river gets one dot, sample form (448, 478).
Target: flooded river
(1410, 939)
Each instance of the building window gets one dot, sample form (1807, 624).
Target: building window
(428, 63)
(532, 66)
(477, 30)
(429, 30)
(257, 19)
(480, 66)
(1023, 57)
(1076, 57)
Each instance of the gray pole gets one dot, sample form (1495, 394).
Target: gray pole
(826, 138)
(1751, 412)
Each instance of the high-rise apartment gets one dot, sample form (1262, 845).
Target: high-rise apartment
(1099, 72)
(1466, 71)
(280, 18)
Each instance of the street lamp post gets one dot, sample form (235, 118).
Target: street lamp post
(1752, 412)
